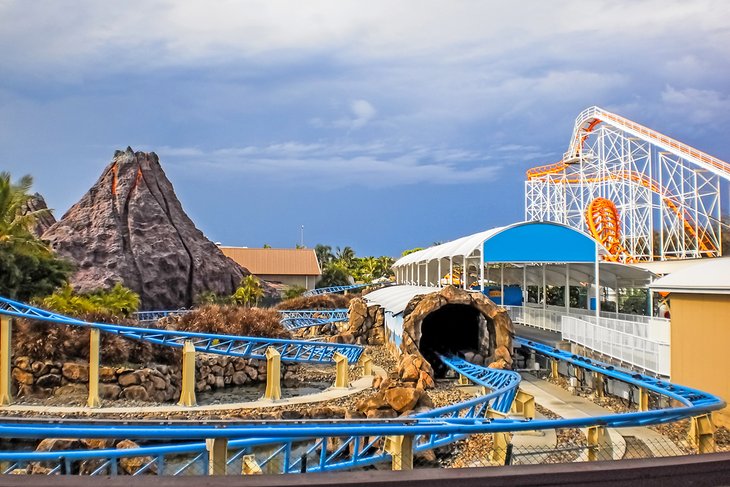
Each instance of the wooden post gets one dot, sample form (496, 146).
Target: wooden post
(367, 365)
(94, 337)
(599, 444)
(554, 369)
(702, 433)
(249, 465)
(643, 399)
(217, 455)
(401, 450)
(187, 394)
(599, 384)
(342, 380)
(6, 393)
(273, 374)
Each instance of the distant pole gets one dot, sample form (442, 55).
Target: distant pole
(301, 243)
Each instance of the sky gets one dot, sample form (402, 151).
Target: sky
(380, 125)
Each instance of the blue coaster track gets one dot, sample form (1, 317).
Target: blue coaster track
(234, 346)
(293, 319)
(282, 445)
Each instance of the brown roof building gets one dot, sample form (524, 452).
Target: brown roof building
(291, 267)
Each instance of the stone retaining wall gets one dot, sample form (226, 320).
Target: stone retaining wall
(158, 383)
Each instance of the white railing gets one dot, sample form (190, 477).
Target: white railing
(637, 351)
(546, 319)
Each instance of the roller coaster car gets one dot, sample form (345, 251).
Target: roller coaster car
(451, 279)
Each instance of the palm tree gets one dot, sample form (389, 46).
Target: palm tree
(249, 292)
(15, 226)
(324, 255)
(345, 256)
(385, 265)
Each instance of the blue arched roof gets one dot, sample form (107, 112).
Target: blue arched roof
(521, 242)
(539, 242)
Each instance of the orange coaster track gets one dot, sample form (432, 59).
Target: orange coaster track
(592, 118)
(603, 224)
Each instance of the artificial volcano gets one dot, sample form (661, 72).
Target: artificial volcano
(131, 228)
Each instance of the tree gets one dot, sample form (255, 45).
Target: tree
(292, 292)
(410, 251)
(345, 256)
(27, 266)
(267, 246)
(324, 255)
(249, 292)
(334, 275)
(15, 225)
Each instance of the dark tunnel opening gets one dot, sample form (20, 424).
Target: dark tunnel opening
(449, 330)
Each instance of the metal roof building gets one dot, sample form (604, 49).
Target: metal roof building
(292, 267)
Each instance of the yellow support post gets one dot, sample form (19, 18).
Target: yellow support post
(6, 394)
(464, 380)
(702, 433)
(94, 337)
(643, 399)
(342, 380)
(217, 455)
(273, 374)
(187, 394)
(524, 404)
(367, 365)
(249, 465)
(554, 369)
(599, 444)
(598, 384)
(401, 450)
(498, 453)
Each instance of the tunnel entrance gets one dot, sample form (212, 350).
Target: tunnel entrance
(449, 330)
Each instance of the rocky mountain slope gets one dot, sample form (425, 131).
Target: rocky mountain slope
(131, 228)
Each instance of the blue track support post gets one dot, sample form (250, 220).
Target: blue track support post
(6, 327)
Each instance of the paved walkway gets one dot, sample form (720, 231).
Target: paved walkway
(564, 404)
(356, 386)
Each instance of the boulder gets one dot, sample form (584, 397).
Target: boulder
(107, 374)
(130, 465)
(135, 393)
(22, 377)
(402, 398)
(48, 380)
(72, 390)
(109, 391)
(131, 228)
(76, 372)
(56, 444)
(375, 401)
(129, 379)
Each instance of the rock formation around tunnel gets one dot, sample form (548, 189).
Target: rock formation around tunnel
(455, 321)
(131, 228)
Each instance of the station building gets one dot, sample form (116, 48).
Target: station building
(700, 322)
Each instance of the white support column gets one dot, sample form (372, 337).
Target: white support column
(525, 295)
(501, 281)
(464, 273)
(598, 285)
(440, 275)
(425, 271)
(566, 296)
(481, 270)
(451, 269)
(544, 289)
(418, 273)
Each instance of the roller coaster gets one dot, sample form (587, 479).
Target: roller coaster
(296, 446)
(642, 194)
